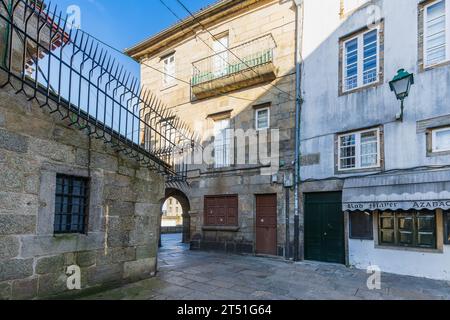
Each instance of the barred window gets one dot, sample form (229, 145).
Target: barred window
(71, 206)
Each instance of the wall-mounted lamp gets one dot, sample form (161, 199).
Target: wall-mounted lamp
(400, 85)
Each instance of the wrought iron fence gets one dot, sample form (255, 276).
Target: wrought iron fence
(246, 56)
(71, 73)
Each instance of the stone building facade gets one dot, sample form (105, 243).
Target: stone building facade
(50, 170)
(380, 180)
(238, 73)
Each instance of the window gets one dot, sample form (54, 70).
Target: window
(359, 150)
(361, 60)
(262, 119)
(361, 225)
(408, 229)
(169, 70)
(441, 139)
(71, 205)
(220, 60)
(222, 143)
(221, 211)
(436, 35)
(447, 227)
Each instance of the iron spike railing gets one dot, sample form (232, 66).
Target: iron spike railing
(73, 75)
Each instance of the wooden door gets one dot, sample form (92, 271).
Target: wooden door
(266, 224)
(324, 227)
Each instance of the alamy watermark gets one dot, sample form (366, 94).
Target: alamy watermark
(374, 280)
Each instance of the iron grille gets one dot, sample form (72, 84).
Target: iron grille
(71, 205)
(73, 75)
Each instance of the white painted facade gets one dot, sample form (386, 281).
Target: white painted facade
(325, 113)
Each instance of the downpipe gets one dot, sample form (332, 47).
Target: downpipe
(299, 14)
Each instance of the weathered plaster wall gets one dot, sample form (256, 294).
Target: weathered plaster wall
(419, 264)
(121, 243)
(325, 113)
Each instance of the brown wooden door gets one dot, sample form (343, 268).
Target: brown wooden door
(266, 224)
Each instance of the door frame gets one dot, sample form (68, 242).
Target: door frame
(276, 195)
(346, 222)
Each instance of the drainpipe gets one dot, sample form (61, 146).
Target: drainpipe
(7, 31)
(298, 107)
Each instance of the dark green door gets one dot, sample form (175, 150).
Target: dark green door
(324, 227)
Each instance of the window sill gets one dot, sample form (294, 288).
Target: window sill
(409, 249)
(435, 66)
(363, 170)
(438, 154)
(359, 89)
(220, 228)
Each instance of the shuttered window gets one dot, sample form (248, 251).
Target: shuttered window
(436, 32)
(408, 229)
(221, 211)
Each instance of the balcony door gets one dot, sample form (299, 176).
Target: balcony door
(220, 59)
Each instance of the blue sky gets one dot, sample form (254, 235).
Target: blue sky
(123, 23)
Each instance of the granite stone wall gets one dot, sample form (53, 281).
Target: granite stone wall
(124, 206)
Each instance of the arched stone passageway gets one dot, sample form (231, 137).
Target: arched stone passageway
(181, 197)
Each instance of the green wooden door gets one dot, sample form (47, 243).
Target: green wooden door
(324, 227)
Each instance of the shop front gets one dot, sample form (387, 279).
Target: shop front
(400, 223)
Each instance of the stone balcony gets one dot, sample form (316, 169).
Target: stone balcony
(246, 65)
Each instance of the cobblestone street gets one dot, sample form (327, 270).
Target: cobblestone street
(190, 275)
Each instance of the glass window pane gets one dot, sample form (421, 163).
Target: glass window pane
(361, 225)
(369, 149)
(447, 227)
(435, 33)
(370, 64)
(442, 140)
(351, 62)
(348, 152)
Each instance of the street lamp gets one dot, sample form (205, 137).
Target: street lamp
(400, 85)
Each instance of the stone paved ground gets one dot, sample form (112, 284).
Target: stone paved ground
(193, 275)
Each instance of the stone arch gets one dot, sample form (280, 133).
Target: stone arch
(182, 198)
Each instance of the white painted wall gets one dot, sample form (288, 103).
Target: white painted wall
(426, 265)
(325, 113)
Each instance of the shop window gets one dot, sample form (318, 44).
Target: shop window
(408, 229)
(447, 227)
(361, 225)
(71, 205)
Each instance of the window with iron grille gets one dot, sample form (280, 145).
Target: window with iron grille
(71, 205)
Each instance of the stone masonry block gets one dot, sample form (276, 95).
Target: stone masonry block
(53, 264)
(9, 247)
(13, 142)
(15, 269)
(17, 224)
(24, 289)
(139, 269)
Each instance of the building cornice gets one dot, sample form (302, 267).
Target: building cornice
(173, 35)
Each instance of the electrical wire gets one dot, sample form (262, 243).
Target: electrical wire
(420, 168)
(227, 49)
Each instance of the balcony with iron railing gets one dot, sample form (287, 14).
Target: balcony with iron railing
(246, 65)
